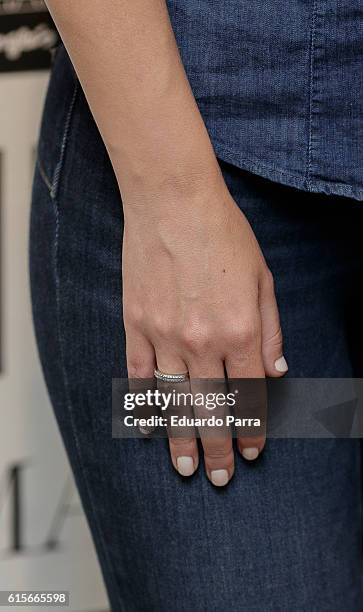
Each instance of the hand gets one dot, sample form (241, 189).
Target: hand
(197, 294)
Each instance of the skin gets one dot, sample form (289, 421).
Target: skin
(197, 292)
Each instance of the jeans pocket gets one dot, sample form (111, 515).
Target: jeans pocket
(56, 119)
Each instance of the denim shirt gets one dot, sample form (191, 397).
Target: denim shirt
(279, 86)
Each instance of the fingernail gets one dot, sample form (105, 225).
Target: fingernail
(250, 453)
(281, 365)
(145, 431)
(185, 466)
(219, 477)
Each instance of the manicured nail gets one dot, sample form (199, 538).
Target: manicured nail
(145, 431)
(185, 466)
(219, 477)
(250, 453)
(281, 365)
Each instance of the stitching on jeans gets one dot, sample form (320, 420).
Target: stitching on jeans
(69, 404)
(312, 49)
(44, 175)
(59, 165)
(360, 476)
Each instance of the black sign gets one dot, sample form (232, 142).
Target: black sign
(27, 35)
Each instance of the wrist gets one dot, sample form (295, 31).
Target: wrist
(182, 187)
(166, 154)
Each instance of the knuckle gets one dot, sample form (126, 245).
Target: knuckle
(250, 335)
(162, 327)
(177, 443)
(245, 335)
(195, 339)
(138, 368)
(222, 451)
(276, 339)
(133, 316)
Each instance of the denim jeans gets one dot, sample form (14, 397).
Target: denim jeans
(286, 533)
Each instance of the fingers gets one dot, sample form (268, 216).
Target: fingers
(218, 457)
(273, 358)
(140, 357)
(184, 455)
(245, 361)
(182, 443)
(217, 445)
(248, 348)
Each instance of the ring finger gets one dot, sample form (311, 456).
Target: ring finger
(182, 442)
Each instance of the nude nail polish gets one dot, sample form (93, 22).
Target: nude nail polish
(250, 453)
(281, 365)
(219, 477)
(185, 466)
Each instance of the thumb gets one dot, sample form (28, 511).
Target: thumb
(272, 354)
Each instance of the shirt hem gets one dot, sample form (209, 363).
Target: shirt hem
(285, 178)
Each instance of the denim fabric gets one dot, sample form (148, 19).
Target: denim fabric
(286, 534)
(279, 85)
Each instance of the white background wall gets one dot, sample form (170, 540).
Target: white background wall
(54, 546)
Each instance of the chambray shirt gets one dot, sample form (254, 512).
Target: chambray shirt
(279, 85)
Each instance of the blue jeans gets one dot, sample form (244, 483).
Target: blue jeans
(286, 533)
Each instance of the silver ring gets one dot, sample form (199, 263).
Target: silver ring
(174, 378)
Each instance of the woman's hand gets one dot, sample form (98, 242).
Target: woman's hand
(197, 294)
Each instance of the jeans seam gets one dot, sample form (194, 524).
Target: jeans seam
(44, 176)
(59, 166)
(69, 402)
(360, 472)
(311, 92)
